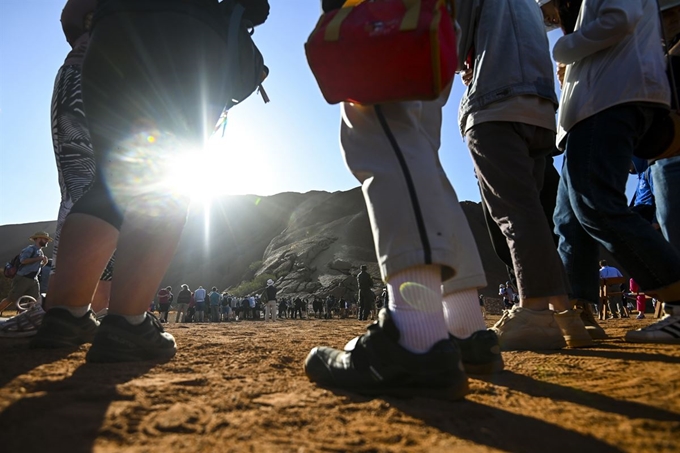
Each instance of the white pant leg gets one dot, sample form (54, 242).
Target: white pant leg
(414, 212)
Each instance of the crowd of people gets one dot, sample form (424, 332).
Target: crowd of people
(547, 227)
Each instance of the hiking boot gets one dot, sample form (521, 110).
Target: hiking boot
(375, 364)
(666, 331)
(524, 329)
(26, 323)
(119, 341)
(595, 331)
(60, 329)
(573, 329)
(481, 353)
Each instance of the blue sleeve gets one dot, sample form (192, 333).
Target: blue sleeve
(28, 252)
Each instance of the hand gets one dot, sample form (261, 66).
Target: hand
(561, 69)
(467, 75)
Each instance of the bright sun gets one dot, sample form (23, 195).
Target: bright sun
(215, 171)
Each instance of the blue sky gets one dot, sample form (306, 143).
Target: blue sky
(290, 144)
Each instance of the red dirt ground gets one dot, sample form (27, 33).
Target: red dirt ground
(240, 387)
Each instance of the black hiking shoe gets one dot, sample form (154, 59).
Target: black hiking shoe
(375, 364)
(60, 329)
(481, 352)
(119, 341)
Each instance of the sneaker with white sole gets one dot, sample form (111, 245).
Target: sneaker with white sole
(573, 329)
(666, 331)
(26, 323)
(524, 329)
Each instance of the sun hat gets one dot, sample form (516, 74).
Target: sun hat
(543, 2)
(41, 235)
(668, 4)
(270, 282)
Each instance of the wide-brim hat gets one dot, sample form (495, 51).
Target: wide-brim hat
(668, 4)
(41, 235)
(542, 2)
(270, 282)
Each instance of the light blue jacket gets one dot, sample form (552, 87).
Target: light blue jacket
(511, 53)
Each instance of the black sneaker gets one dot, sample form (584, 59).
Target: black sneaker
(60, 329)
(119, 341)
(375, 364)
(481, 352)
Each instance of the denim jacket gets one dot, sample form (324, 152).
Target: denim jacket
(511, 53)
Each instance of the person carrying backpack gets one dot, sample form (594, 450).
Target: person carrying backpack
(29, 263)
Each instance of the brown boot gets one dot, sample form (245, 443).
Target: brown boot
(594, 330)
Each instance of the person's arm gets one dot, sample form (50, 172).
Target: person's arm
(616, 19)
(29, 258)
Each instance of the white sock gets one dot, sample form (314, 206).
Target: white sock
(415, 306)
(463, 314)
(134, 320)
(77, 312)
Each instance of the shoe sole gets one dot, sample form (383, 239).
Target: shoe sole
(18, 334)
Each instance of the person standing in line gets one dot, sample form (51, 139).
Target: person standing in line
(165, 297)
(215, 303)
(365, 296)
(600, 123)
(183, 299)
(199, 298)
(270, 303)
(73, 155)
(432, 327)
(139, 102)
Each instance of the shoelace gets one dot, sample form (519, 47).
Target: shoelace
(29, 303)
(155, 321)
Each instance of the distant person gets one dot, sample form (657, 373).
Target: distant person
(183, 300)
(199, 298)
(215, 304)
(270, 302)
(25, 282)
(141, 111)
(165, 298)
(365, 296)
(226, 307)
(615, 304)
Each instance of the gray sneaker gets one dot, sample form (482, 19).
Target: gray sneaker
(573, 329)
(26, 323)
(60, 329)
(525, 329)
(119, 341)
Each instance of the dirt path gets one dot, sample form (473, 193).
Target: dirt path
(240, 387)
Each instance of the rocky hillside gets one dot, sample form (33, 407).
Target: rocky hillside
(313, 243)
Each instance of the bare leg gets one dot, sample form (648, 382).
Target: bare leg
(145, 249)
(85, 247)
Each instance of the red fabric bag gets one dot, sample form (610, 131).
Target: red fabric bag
(377, 51)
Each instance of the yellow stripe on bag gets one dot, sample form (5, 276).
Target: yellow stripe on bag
(333, 28)
(410, 21)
